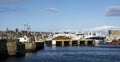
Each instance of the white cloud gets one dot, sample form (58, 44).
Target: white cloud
(94, 29)
(103, 28)
(51, 10)
(113, 11)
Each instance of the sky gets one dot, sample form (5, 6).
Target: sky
(59, 15)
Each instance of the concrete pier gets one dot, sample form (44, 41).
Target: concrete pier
(80, 42)
(12, 47)
(54, 42)
(75, 43)
(30, 46)
(15, 48)
(48, 43)
(39, 45)
(86, 42)
(70, 43)
(66, 43)
(20, 49)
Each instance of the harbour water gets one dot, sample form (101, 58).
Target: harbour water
(102, 53)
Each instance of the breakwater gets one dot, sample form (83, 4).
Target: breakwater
(12, 47)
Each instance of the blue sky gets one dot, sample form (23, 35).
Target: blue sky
(55, 15)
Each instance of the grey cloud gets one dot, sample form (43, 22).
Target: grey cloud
(51, 10)
(113, 11)
(11, 9)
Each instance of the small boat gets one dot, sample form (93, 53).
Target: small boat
(113, 43)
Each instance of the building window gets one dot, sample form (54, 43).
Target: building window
(24, 38)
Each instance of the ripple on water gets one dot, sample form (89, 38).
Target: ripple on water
(74, 54)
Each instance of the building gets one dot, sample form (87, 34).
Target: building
(114, 35)
(23, 39)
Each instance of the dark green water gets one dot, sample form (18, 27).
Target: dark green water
(103, 53)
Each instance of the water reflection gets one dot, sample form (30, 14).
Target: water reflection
(30, 54)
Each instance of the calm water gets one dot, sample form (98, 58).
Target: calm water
(103, 53)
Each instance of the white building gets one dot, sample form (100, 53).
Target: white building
(23, 39)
